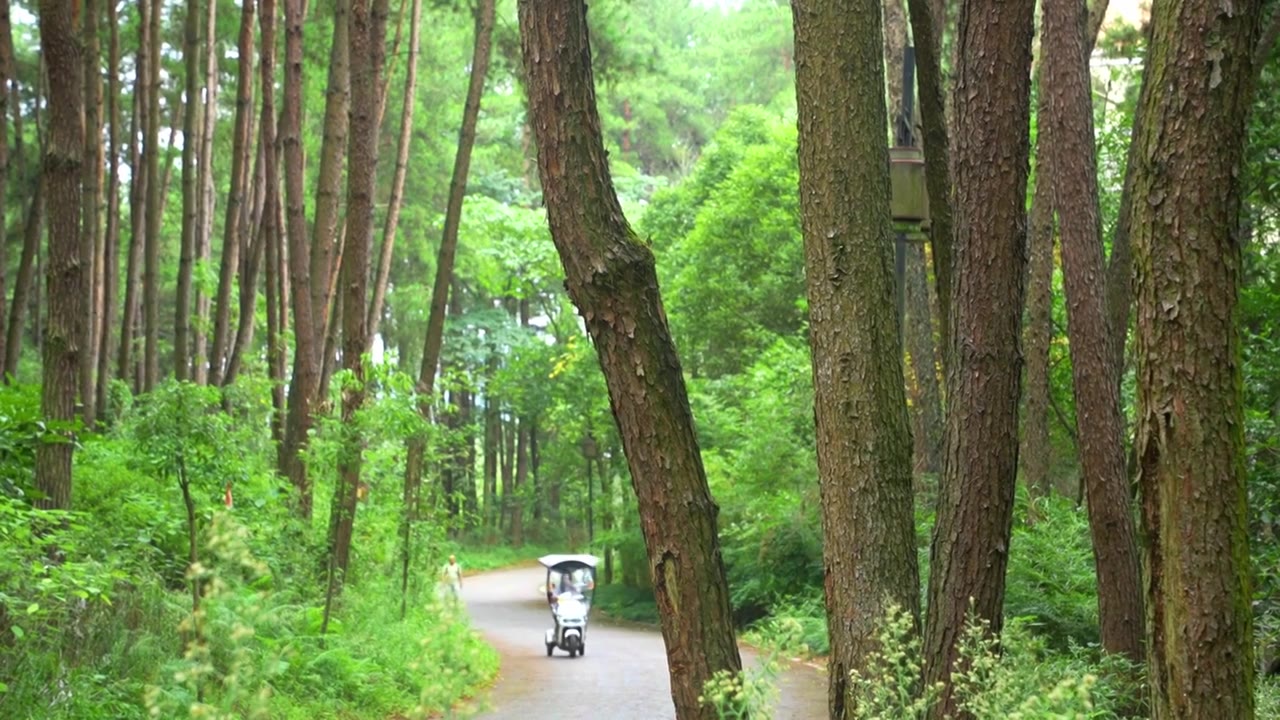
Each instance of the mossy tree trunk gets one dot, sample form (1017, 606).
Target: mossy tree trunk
(1186, 251)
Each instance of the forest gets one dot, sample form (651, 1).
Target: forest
(933, 343)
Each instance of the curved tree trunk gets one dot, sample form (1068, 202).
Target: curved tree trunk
(67, 293)
(869, 554)
(975, 501)
(1185, 231)
(25, 278)
(610, 276)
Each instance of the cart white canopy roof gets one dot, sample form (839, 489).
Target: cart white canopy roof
(551, 561)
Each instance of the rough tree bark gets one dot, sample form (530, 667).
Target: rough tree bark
(67, 293)
(190, 197)
(863, 432)
(612, 280)
(1069, 141)
(231, 227)
(306, 349)
(1186, 243)
(397, 181)
(975, 501)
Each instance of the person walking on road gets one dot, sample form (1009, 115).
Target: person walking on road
(451, 576)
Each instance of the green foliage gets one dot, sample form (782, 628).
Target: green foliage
(1013, 677)
(745, 695)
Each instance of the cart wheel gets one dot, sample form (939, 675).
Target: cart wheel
(549, 649)
(573, 653)
(582, 650)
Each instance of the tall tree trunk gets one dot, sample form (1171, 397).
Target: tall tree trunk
(927, 26)
(506, 461)
(111, 241)
(232, 230)
(25, 278)
(397, 181)
(975, 502)
(137, 200)
(204, 214)
(1185, 231)
(151, 253)
(416, 446)
(1068, 129)
(306, 354)
(869, 554)
(367, 55)
(6, 72)
(91, 236)
(190, 190)
(1036, 450)
(612, 280)
(269, 223)
(333, 149)
(927, 399)
(251, 260)
(67, 292)
(492, 439)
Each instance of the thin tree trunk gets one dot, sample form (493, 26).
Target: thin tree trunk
(251, 259)
(190, 190)
(492, 439)
(612, 280)
(416, 446)
(1197, 90)
(927, 28)
(367, 56)
(1038, 332)
(869, 554)
(137, 199)
(24, 281)
(975, 502)
(269, 227)
(204, 216)
(927, 399)
(91, 236)
(6, 72)
(506, 459)
(1068, 128)
(232, 230)
(397, 181)
(151, 254)
(111, 242)
(333, 149)
(306, 355)
(67, 293)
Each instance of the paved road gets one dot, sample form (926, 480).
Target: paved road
(623, 676)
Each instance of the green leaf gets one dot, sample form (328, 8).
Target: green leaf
(33, 608)
(18, 632)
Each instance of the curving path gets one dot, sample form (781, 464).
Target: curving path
(623, 676)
